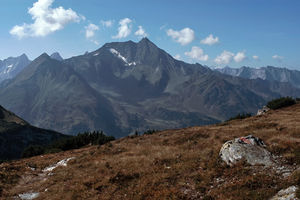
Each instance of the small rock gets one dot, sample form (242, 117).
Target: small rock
(262, 111)
(250, 148)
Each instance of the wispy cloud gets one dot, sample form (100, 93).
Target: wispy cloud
(278, 58)
(210, 40)
(124, 29)
(46, 20)
(141, 32)
(239, 57)
(184, 36)
(107, 23)
(197, 53)
(255, 57)
(90, 30)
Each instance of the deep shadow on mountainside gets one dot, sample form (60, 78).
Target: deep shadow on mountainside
(126, 86)
(170, 164)
(16, 134)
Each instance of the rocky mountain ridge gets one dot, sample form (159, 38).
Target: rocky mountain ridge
(125, 87)
(11, 66)
(265, 73)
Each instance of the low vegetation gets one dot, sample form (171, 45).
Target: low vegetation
(75, 142)
(281, 103)
(240, 116)
(170, 164)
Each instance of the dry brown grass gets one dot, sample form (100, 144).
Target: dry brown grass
(172, 164)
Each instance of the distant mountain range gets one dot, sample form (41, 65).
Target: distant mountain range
(126, 86)
(11, 66)
(265, 73)
(16, 134)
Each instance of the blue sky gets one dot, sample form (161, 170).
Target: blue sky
(215, 33)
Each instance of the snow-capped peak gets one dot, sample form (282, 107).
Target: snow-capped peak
(116, 53)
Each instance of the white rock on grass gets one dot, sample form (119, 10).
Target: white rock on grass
(29, 196)
(60, 163)
(250, 148)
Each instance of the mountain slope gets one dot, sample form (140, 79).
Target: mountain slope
(11, 66)
(171, 164)
(16, 134)
(52, 95)
(266, 73)
(125, 87)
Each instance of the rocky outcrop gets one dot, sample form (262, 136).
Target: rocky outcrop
(249, 148)
(286, 194)
(262, 111)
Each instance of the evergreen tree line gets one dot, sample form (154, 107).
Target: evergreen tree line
(72, 142)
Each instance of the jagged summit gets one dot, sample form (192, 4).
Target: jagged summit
(11, 66)
(56, 56)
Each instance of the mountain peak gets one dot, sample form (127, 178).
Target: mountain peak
(56, 56)
(44, 55)
(24, 56)
(144, 39)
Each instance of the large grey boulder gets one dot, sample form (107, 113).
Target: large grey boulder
(249, 148)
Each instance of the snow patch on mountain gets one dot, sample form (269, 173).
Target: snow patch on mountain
(116, 53)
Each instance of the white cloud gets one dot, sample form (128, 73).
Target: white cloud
(46, 20)
(197, 54)
(107, 23)
(210, 40)
(124, 28)
(239, 57)
(90, 30)
(278, 58)
(184, 36)
(141, 32)
(224, 58)
(255, 57)
(177, 57)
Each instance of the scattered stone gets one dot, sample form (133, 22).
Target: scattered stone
(262, 111)
(286, 194)
(29, 196)
(250, 148)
